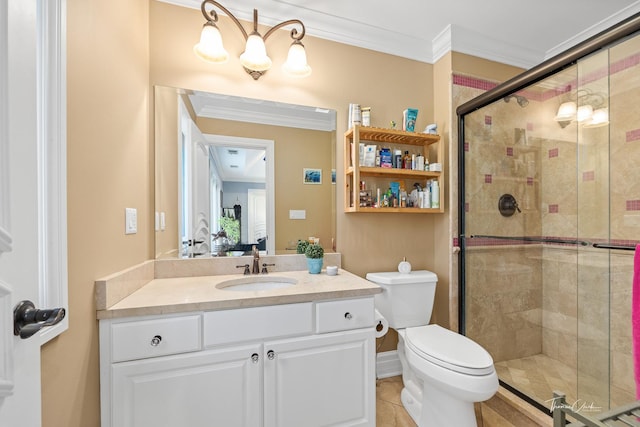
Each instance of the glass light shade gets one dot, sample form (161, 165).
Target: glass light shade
(296, 65)
(255, 54)
(584, 113)
(210, 47)
(566, 112)
(600, 117)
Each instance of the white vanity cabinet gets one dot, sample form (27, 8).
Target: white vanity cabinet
(304, 364)
(320, 381)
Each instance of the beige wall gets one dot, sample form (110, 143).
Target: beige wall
(108, 169)
(117, 52)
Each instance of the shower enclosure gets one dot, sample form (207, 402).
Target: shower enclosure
(549, 217)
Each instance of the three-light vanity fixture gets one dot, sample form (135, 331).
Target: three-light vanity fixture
(255, 60)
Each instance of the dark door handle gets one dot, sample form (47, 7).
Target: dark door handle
(27, 319)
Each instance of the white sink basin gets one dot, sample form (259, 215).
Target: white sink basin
(260, 283)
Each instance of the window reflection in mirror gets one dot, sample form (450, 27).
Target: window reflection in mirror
(227, 161)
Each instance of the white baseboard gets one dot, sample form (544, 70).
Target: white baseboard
(388, 364)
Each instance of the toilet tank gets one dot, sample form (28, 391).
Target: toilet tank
(407, 298)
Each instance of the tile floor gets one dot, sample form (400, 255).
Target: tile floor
(389, 409)
(497, 412)
(537, 375)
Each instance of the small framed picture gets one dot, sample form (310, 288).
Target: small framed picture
(312, 176)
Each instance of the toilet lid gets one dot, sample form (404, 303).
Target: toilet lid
(449, 350)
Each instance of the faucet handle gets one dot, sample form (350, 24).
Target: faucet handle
(264, 267)
(246, 268)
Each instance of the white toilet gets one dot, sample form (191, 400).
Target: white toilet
(443, 372)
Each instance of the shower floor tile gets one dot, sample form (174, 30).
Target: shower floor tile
(539, 376)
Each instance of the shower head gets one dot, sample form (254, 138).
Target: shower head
(522, 101)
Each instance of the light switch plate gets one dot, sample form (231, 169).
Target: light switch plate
(297, 214)
(130, 221)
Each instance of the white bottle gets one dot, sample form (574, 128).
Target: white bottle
(435, 195)
(426, 198)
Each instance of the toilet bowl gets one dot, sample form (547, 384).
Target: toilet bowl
(443, 372)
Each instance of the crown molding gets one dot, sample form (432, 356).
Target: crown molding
(453, 38)
(595, 29)
(459, 39)
(264, 112)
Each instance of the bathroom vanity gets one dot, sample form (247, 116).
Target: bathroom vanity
(199, 352)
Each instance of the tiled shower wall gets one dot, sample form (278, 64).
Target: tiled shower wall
(524, 299)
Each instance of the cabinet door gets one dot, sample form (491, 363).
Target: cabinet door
(323, 380)
(209, 388)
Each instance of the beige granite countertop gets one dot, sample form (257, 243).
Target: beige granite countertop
(199, 293)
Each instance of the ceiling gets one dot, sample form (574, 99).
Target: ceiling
(515, 32)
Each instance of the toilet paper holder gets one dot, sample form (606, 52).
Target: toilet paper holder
(382, 325)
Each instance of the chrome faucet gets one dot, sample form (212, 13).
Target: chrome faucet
(256, 260)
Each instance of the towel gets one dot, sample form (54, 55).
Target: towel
(635, 318)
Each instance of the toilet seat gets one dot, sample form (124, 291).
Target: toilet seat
(449, 350)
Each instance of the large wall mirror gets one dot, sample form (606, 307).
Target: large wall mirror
(234, 172)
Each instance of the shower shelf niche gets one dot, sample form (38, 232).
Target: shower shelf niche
(393, 139)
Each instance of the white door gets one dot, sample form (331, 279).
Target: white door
(256, 214)
(201, 201)
(32, 193)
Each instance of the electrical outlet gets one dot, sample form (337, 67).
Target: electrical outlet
(130, 221)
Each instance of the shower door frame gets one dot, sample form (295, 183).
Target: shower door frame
(570, 57)
(538, 73)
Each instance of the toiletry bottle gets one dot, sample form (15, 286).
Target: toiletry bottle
(426, 199)
(366, 116)
(398, 157)
(406, 164)
(435, 195)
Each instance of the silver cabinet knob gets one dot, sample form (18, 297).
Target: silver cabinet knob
(155, 341)
(255, 358)
(348, 316)
(271, 355)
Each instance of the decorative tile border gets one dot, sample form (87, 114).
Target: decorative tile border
(613, 68)
(487, 241)
(633, 205)
(633, 135)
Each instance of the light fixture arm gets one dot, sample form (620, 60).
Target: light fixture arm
(294, 32)
(212, 16)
